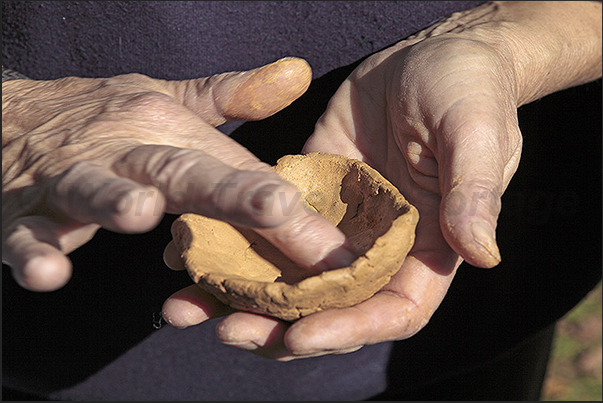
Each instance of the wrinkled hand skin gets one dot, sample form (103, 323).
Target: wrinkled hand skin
(79, 154)
(437, 115)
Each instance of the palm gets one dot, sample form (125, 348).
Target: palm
(403, 115)
(369, 127)
(441, 128)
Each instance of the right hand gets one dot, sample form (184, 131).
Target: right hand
(79, 154)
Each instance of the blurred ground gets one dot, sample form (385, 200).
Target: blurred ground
(574, 372)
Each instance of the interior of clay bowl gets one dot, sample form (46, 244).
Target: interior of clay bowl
(244, 270)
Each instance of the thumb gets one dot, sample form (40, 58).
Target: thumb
(249, 95)
(478, 167)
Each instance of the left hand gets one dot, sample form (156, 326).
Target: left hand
(79, 154)
(437, 115)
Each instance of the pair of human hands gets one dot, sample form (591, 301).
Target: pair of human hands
(435, 114)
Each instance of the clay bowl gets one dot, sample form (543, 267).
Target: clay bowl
(245, 271)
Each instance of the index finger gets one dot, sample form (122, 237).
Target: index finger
(193, 181)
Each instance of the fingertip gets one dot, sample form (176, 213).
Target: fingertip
(44, 272)
(182, 314)
(487, 252)
(475, 242)
(468, 221)
(191, 306)
(244, 330)
(270, 89)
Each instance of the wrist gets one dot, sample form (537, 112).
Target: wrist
(551, 45)
(555, 45)
(546, 45)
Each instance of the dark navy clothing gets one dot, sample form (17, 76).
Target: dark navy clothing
(190, 39)
(99, 338)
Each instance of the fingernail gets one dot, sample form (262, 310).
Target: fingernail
(335, 259)
(263, 198)
(484, 236)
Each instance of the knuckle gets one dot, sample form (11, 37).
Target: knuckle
(300, 228)
(149, 106)
(141, 96)
(172, 171)
(149, 100)
(172, 164)
(134, 79)
(243, 196)
(71, 175)
(228, 197)
(183, 175)
(72, 190)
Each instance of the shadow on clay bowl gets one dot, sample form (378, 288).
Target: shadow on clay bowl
(245, 271)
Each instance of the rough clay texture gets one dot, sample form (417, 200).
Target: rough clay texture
(245, 271)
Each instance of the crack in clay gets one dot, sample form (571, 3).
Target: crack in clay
(358, 207)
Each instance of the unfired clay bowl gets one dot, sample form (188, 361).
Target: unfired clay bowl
(245, 271)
